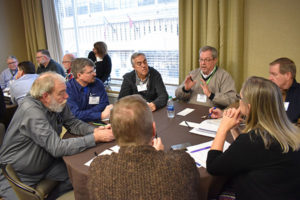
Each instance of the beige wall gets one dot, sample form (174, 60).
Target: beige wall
(12, 35)
(272, 30)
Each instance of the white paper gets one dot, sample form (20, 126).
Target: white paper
(115, 148)
(185, 112)
(106, 152)
(199, 152)
(191, 124)
(208, 127)
(286, 105)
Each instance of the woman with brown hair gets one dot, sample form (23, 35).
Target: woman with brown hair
(264, 160)
(102, 61)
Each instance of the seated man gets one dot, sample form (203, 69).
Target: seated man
(32, 144)
(283, 73)
(141, 170)
(9, 73)
(145, 81)
(24, 79)
(88, 100)
(67, 61)
(208, 85)
(46, 64)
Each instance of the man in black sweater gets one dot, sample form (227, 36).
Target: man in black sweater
(146, 81)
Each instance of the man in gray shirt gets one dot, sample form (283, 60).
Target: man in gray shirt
(32, 144)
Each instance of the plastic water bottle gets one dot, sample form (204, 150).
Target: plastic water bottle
(170, 108)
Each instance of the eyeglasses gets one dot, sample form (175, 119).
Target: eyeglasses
(238, 96)
(67, 61)
(11, 63)
(38, 57)
(206, 60)
(91, 72)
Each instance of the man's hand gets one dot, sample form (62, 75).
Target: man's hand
(157, 144)
(205, 88)
(106, 112)
(152, 106)
(103, 134)
(189, 82)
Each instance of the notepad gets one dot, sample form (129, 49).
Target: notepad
(208, 127)
(199, 152)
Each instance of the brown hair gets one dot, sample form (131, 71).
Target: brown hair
(101, 48)
(285, 65)
(132, 121)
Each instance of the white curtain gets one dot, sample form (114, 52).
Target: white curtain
(52, 33)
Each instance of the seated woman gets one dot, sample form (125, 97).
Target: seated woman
(264, 160)
(102, 61)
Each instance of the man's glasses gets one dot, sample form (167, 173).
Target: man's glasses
(206, 60)
(140, 63)
(91, 72)
(11, 63)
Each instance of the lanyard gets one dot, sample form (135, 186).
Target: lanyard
(211, 76)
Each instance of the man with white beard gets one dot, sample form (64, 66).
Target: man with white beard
(32, 144)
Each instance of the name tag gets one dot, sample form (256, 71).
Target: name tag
(94, 100)
(286, 105)
(98, 59)
(201, 98)
(142, 87)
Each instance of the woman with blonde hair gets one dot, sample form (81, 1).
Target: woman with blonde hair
(264, 160)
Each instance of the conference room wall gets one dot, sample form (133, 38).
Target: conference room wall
(12, 35)
(272, 29)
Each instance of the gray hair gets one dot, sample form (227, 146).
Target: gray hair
(213, 51)
(134, 55)
(11, 57)
(45, 84)
(79, 64)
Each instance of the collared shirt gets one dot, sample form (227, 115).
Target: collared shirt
(20, 87)
(293, 97)
(80, 103)
(69, 74)
(6, 76)
(32, 141)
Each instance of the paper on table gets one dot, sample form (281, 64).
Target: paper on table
(199, 152)
(105, 152)
(191, 124)
(185, 112)
(208, 127)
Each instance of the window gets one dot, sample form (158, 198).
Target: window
(126, 26)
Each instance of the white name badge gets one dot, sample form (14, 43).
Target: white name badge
(142, 87)
(94, 100)
(201, 98)
(286, 105)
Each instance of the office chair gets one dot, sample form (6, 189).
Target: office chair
(25, 192)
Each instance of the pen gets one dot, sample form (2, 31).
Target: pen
(156, 135)
(191, 78)
(187, 124)
(211, 111)
(96, 154)
(98, 124)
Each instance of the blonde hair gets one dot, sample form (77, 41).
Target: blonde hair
(267, 115)
(45, 84)
(132, 121)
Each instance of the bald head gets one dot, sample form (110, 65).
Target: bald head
(67, 60)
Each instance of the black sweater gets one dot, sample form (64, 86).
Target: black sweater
(156, 90)
(258, 173)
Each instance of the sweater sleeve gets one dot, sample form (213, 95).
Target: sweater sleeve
(126, 87)
(162, 95)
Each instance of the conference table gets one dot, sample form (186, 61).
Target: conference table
(171, 133)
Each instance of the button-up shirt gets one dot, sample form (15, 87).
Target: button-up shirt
(6, 76)
(80, 102)
(20, 87)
